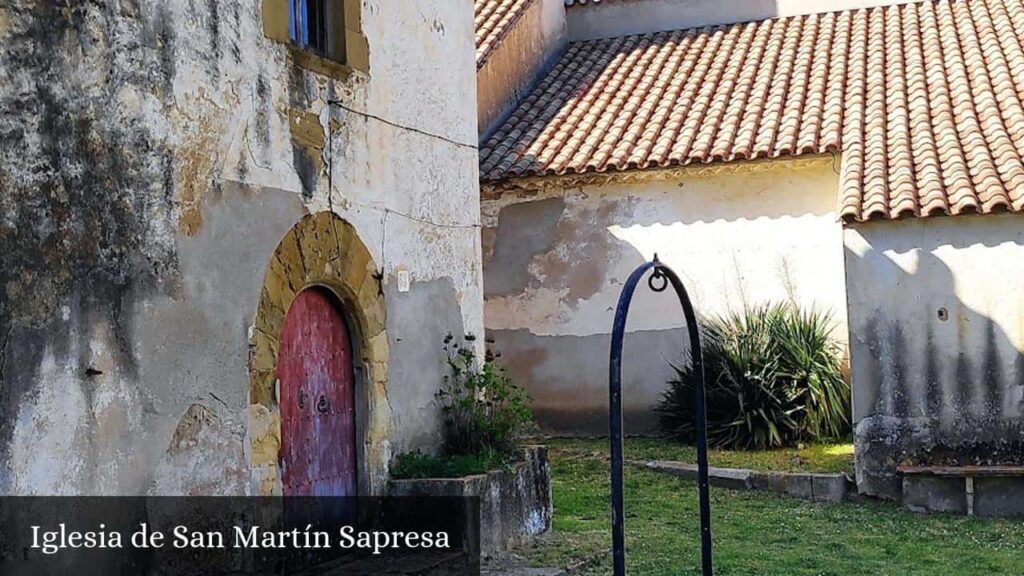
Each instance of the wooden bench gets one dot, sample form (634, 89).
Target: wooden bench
(968, 473)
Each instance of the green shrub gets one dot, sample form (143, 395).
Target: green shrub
(773, 377)
(420, 465)
(484, 412)
(485, 417)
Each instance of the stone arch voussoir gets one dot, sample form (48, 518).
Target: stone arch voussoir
(320, 250)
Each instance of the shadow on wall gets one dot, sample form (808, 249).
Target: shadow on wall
(554, 266)
(937, 379)
(567, 374)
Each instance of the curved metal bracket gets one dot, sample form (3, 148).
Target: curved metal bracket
(658, 282)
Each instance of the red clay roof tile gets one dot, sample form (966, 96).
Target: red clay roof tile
(925, 101)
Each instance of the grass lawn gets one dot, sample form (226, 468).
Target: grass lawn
(756, 533)
(822, 457)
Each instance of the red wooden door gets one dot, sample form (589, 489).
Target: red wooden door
(318, 426)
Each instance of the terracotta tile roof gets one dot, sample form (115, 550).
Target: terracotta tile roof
(494, 19)
(925, 101)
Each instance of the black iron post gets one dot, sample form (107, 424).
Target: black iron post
(666, 276)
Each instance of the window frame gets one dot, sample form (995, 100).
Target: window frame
(299, 30)
(345, 47)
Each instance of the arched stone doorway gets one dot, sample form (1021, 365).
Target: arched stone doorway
(321, 251)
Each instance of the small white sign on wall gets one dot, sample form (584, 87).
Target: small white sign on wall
(403, 280)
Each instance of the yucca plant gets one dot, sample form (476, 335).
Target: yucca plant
(813, 361)
(773, 377)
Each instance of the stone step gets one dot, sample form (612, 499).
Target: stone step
(732, 478)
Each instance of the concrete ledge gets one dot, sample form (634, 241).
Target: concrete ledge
(732, 478)
(515, 505)
(830, 487)
(810, 487)
(990, 495)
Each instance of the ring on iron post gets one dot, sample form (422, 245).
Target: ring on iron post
(666, 275)
(657, 275)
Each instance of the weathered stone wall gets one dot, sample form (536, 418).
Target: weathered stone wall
(555, 260)
(936, 336)
(152, 156)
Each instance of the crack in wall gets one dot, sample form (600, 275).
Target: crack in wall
(3, 351)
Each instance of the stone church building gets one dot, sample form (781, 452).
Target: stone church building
(233, 235)
(860, 157)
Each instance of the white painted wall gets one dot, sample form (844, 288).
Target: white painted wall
(903, 274)
(734, 238)
(608, 19)
(936, 333)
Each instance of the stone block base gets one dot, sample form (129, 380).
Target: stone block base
(515, 505)
(992, 497)
(934, 494)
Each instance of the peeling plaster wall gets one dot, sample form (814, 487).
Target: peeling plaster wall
(936, 334)
(555, 261)
(152, 155)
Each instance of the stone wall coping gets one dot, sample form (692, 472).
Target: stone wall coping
(530, 452)
(812, 486)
